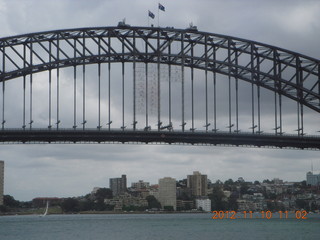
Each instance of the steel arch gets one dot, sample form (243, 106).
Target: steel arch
(285, 72)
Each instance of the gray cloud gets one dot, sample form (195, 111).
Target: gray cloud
(67, 170)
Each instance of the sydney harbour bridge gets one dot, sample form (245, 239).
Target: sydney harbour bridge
(156, 85)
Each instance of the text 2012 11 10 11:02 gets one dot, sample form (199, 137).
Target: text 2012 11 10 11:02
(261, 214)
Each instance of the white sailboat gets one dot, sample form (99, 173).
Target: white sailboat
(46, 211)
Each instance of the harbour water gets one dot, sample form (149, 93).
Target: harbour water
(155, 226)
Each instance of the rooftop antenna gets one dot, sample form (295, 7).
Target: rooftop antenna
(311, 166)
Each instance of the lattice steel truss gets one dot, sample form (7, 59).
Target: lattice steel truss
(284, 72)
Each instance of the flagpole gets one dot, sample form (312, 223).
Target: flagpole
(158, 15)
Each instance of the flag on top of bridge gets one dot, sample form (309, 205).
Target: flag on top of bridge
(161, 7)
(151, 14)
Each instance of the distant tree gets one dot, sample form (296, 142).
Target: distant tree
(153, 202)
(187, 206)
(3, 208)
(182, 183)
(133, 208)
(109, 207)
(10, 202)
(168, 208)
(86, 205)
(104, 193)
(302, 204)
(272, 196)
(184, 196)
(232, 203)
(304, 184)
(217, 199)
(229, 182)
(314, 206)
(271, 206)
(218, 182)
(256, 182)
(244, 188)
(266, 181)
(70, 205)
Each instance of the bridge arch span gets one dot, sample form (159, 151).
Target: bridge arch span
(288, 73)
(285, 73)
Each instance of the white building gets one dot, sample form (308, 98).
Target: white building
(1, 181)
(204, 204)
(140, 184)
(313, 179)
(167, 192)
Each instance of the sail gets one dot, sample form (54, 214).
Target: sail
(46, 211)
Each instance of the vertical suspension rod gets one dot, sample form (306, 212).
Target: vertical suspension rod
(24, 86)
(134, 81)
(258, 92)
(301, 98)
(109, 83)
(252, 91)
(319, 81)
(169, 59)
(75, 86)
(280, 98)
(214, 91)
(206, 80)
(99, 85)
(123, 87)
(31, 88)
(237, 92)
(298, 69)
(159, 78)
(229, 85)
(192, 91)
(182, 82)
(3, 86)
(275, 92)
(50, 84)
(84, 83)
(146, 62)
(58, 82)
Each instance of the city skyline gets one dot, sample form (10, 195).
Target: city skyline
(62, 170)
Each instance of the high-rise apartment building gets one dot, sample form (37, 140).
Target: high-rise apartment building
(203, 204)
(198, 184)
(140, 185)
(1, 181)
(313, 179)
(118, 185)
(167, 192)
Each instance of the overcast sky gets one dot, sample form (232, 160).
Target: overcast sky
(71, 170)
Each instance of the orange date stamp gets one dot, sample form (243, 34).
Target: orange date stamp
(261, 214)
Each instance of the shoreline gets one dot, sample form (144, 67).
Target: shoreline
(101, 213)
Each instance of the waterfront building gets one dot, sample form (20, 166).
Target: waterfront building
(118, 185)
(167, 192)
(313, 179)
(204, 204)
(127, 200)
(1, 181)
(154, 191)
(198, 184)
(185, 205)
(140, 185)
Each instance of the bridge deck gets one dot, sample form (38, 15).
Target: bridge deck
(165, 137)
